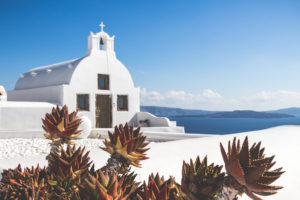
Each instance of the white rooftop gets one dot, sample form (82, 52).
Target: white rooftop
(56, 74)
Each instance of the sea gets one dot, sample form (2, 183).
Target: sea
(200, 125)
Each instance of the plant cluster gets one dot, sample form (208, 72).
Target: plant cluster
(70, 175)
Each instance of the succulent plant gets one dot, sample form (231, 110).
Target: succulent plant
(71, 159)
(68, 169)
(249, 170)
(64, 187)
(159, 189)
(8, 174)
(127, 147)
(61, 127)
(103, 186)
(28, 184)
(201, 181)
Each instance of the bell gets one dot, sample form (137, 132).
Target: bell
(101, 41)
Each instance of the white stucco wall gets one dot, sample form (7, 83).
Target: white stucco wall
(51, 94)
(121, 117)
(102, 62)
(146, 119)
(3, 98)
(23, 115)
(85, 81)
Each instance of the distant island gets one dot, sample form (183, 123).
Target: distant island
(290, 111)
(166, 111)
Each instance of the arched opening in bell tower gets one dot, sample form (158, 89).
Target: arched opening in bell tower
(101, 43)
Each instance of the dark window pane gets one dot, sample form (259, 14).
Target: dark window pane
(103, 82)
(83, 102)
(122, 103)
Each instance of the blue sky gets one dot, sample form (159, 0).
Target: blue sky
(209, 54)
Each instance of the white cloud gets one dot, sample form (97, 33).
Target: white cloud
(179, 95)
(179, 98)
(272, 100)
(212, 100)
(150, 96)
(280, 95)
(211, 94)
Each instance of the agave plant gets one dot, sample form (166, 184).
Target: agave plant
(29, 184)
(249, 170)
(61, 127)
(159, 189)
(68, 169)
(8, 174)
(64, 187)
(70, 159)
(103, 186)
(201, 181)
(127, 147)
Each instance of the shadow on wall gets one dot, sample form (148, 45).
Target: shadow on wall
(145, 119)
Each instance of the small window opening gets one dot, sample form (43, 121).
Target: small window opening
(101, 43)
(83, 102)
(103, 82)
(122, 103)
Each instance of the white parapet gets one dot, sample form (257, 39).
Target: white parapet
(151, 123)
(146, 119)
(23, 115)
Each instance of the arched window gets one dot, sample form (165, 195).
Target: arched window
(101, 43)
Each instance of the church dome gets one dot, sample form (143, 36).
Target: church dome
(85, 74)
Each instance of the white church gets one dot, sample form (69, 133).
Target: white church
(97, 85)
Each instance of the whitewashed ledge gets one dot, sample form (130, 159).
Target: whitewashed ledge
(4, 134)
(155, 136)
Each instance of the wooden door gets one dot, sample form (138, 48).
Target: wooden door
(103, 111)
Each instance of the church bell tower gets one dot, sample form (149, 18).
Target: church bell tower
(100, 42)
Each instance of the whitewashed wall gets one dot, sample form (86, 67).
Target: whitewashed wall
(52, 94)
(84, 81)
(147, 119)
(23, 115)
